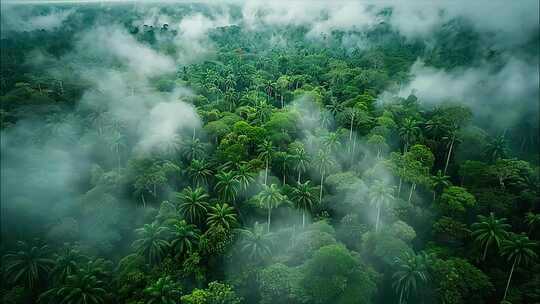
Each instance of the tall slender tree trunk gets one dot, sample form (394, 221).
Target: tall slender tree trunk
(413, 186)
(401, 295)
(378, 217)
(353, 150)
(299, 173)
(399, 186)
(485, 253)
(509, 279)
(321, 191)
(282, 101)
(303, 218)
(143, 200)
(449, 153)
(266, 172)
(350, 131)
(269, 218)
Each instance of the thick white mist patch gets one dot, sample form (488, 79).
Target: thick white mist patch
(502, 94)
(164, 122)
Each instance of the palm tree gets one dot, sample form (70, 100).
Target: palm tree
(324, 162)
(244, 175)
(67, 263)
(301, 161)
(489, 229)
(265, 153)
(335, 107)
(270, 197)
(303, 197)
(496, 148)
(28, 265)
(380, 194)
(331, 141)
(80, 288)
(409, 132)
(184, 237)
(222, 215)
(439, 182)
(193, 149)
(151, 243)
(193, 204)
(199, 171)
(450, 138)
(163, 291)
(532, 220)
(378, 142)
(263, 111)
(116, 143)
(255, 242)
(519, 249)
(227, 185)
(412, 271)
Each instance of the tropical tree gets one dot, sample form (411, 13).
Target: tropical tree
(221, 215)
(163, 291)
(489, 229)
(412, 270)
(303, 197)
(79, 288)
(409, 132)
(335, 107)
(227, 185)
(532, 220)
(518, 249)
(28, 265)
(116, 143)
(193, 149)
(244, 175)
(67, 263)
(324, 162)
(301, 161)
(151, 244)
(380, 194)
(255, 242)
(496, 148)
(184, 237)
(378, 142)
(199, 171)
(439, 182)
(331, 141)
(193, 204)
(265, 153)
(269, 198)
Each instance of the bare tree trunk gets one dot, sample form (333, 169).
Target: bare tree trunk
(449, 153)
(321, 191)
(143, 200)
(282, 101)
(378, 217)
(266, 172)
(269, 218)
(350, 132)
(299, 173)
(413, 186)
(399, 186)
(509, 278)
(303, 218)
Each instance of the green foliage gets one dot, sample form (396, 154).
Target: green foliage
(216, 293)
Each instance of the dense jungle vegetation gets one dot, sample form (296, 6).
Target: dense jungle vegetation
(260, 152)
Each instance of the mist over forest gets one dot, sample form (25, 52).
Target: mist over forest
(238, 152)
